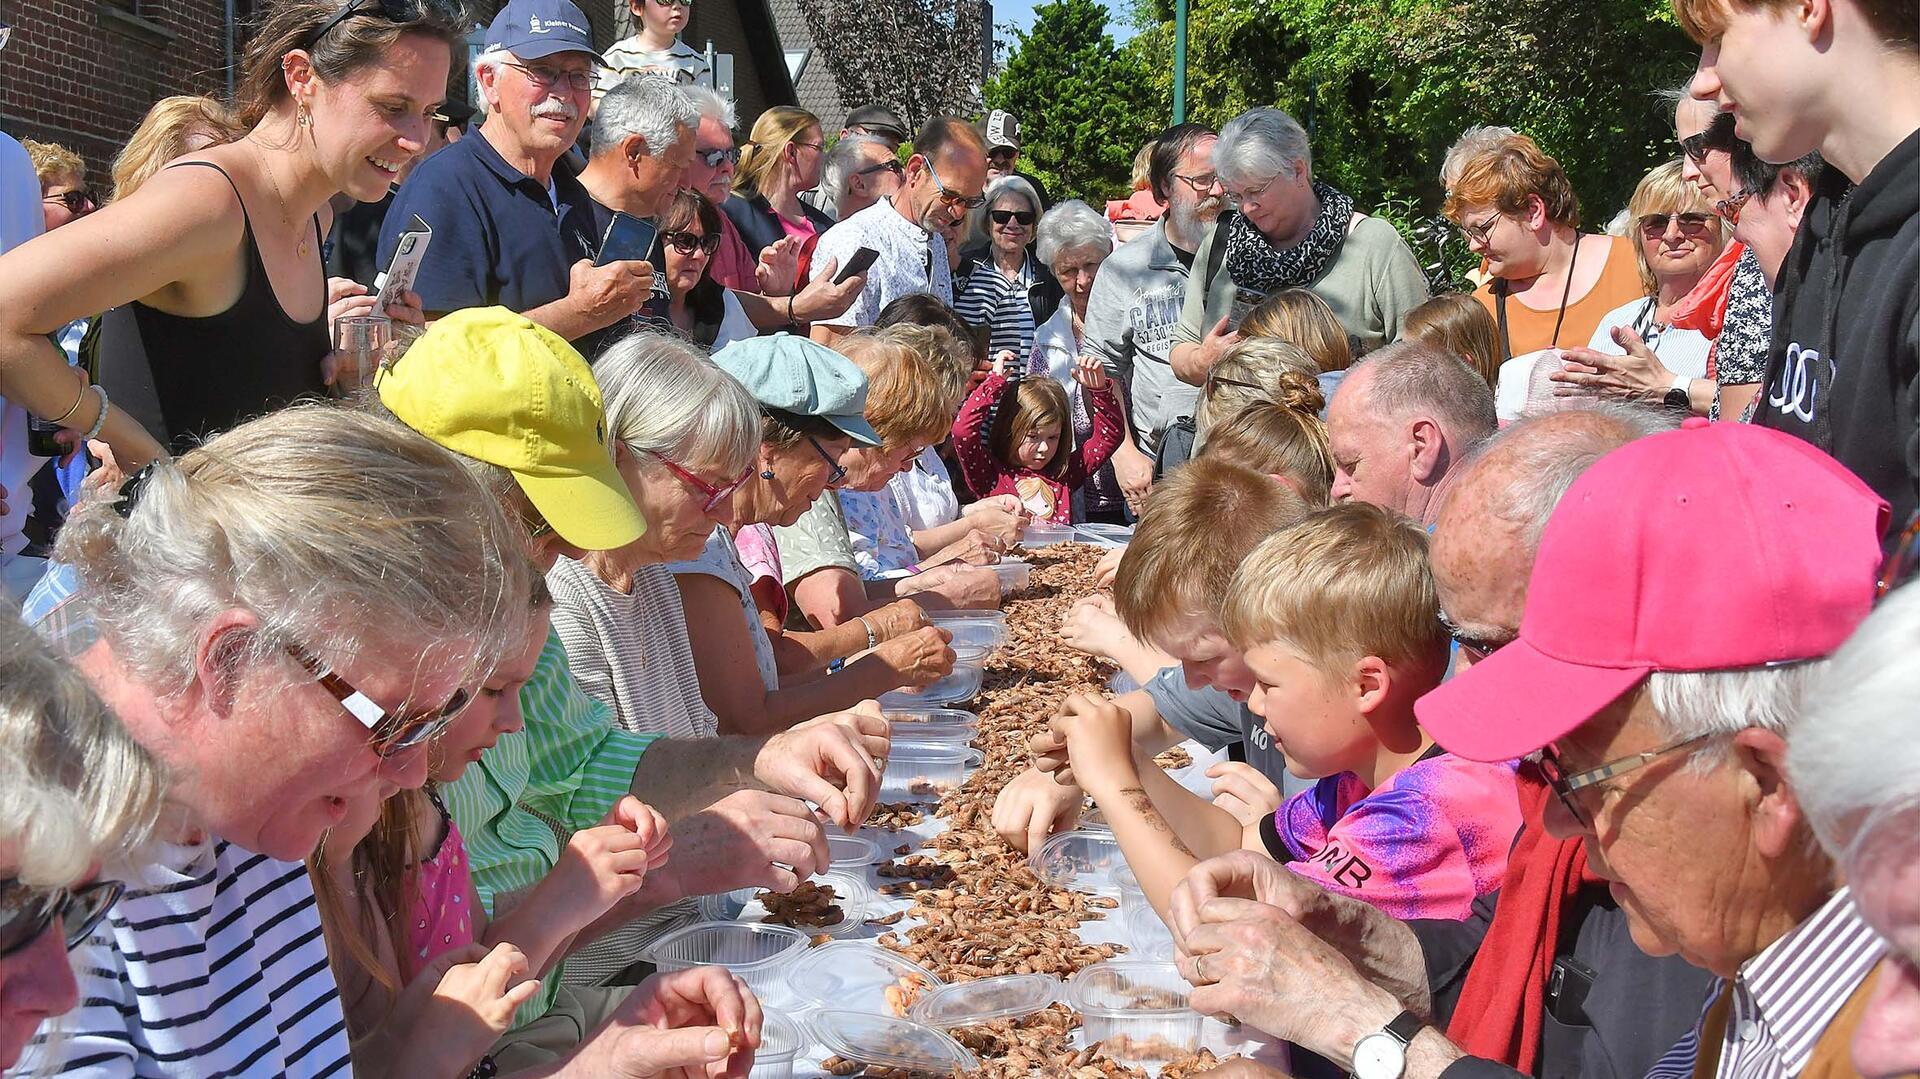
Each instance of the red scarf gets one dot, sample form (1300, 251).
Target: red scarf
(1705, 308)
(1503, 1005)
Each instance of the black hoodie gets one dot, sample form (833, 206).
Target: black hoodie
(1844, 369)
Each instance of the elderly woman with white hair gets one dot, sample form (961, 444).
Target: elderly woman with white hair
(1856, 769)
(76, 793)
(1000, 285)
(1074, 240)
(1289, 230)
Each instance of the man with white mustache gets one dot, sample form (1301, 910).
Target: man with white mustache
(1136, 299)
(512, 225)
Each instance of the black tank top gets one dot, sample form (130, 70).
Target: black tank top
(187, 379)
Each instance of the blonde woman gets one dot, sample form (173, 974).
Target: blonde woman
(783, 157)
(174, 127)
(1257, 369)
(76, 793)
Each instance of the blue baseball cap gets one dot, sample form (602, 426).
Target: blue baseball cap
(531, 29)
(804, 377)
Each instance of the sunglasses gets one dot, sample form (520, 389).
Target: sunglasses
(389, 733)
(971, 202)
(715, 495)
(27, 911)
(883, 166)
(686, 243)
(400, 11)
(1003, 217)
(545, 78)
(1729, 207)
(838, 473)
(1699, 144)
(713, 158)
(1476, 648)
(1692, 224)
(75, 201)
(1544, 767)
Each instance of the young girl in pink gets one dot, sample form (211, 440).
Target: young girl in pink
(1014, 437)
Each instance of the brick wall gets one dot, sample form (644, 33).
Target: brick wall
(83, 72)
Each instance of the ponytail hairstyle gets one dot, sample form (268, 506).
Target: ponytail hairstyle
(1278, 438)
(775, 130)
(1025, 407)
(348, 45)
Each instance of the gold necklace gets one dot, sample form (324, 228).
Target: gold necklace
(280, 198)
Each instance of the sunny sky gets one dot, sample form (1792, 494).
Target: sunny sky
(1020, 13)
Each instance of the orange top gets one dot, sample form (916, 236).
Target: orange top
(1529, 329)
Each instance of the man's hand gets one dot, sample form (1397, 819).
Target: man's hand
(1242, 790)
(1092, 626)
(1032, 807)
(897, 619)
(779, 267)
(603, 295)
(823, 299)
(702, 1023)
(603, 865)
(834, 762)
(966, 587)
(1241, 874)
(920, 658)
(745, 840)
(1134, 469)
(1099, 738)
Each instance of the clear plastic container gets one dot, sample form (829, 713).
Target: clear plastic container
(946, 618)
(890, 1043)
(1137, 1009)
(1145, 935)
(1014, 574)
(934, 724)
(1106, 535)
(972, 633)
(1042, 533)
(760, 954)
(859, 976)
(852, 853)
(1008, 996)
(1083, 860)
(850, 894)
(926, 770)
(959, 686)
(781, 1043)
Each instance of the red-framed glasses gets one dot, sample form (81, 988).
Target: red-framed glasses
(715, 495)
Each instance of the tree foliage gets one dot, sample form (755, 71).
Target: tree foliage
(1085, 106)
(920, 58)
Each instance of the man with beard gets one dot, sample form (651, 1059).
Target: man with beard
(1136, 299)
(511, 224)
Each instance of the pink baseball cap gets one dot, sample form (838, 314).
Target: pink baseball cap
(1713, 547)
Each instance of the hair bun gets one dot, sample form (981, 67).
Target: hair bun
(1299, 391)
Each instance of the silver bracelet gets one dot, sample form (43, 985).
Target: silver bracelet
(100, 420)
(873, 639)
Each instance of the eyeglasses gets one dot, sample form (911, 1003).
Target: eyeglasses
(1240, 198)
(808, 145)
(1699, 144)
(838, 472)
(27, 911)
(389, 733)
(544, 78)
(1691, 224)
(1003, 217)
(1479, 233)
(1901, 560)
(75, 201)
(971, 202)
(881, 166)
(1476, 648)
(1729, 207)
(1206, 388)
(686, 243)
(402, 11)
(713, 158)
(715, 495)
(1545, 766)
(1201, 184)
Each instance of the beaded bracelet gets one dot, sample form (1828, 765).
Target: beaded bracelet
(100, 420)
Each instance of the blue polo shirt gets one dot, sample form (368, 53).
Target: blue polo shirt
(498, 239)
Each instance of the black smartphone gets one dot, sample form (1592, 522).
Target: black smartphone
(628, 237)
(856, 264)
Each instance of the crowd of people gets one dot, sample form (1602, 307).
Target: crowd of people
(373, 717)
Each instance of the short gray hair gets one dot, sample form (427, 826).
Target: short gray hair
(1262, 143)
(1411, 376)
(1011, 184)
(74, 785)
(1468, 146)
(654, 108)
(1070, 226)
(842, 161)
(1854, 763)
(1545, 453)
(663, 395)
(1692, 704)
(709, 103)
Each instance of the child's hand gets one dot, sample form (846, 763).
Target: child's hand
(1001, 359)
(1241, 789)
(1092, 626)
(1099, 738)
(1089, 372)
(607, 863)
(452, 1011)
(492, 988)
(1108, 568)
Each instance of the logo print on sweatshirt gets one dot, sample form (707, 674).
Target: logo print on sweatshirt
(1798, 393)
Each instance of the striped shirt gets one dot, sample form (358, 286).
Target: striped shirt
(993, 300)
(629, 649)
(1784, 998)
(569, 766)
(211, 964)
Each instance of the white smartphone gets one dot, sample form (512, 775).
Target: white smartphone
(405, 268)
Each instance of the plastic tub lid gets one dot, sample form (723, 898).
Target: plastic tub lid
(910, 720)
(734, 945)
(850, 852)
(843, 973)
(1129, 988)
(966, 615)
(1008, 996)
(1082, 860)
(781, 1039)
(890, 1043)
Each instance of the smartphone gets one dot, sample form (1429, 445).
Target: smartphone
(857, 264)
(400, 274)
(628, 237)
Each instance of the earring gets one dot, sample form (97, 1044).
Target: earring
(305, 120)
(766, 473)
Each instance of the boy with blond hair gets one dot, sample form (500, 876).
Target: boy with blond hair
(1337, 621)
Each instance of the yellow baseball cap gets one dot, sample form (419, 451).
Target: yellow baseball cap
(492, 385)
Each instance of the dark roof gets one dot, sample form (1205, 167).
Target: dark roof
(816, 90)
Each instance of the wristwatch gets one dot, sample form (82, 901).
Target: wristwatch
(1678, 398)
(1383, 1054)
